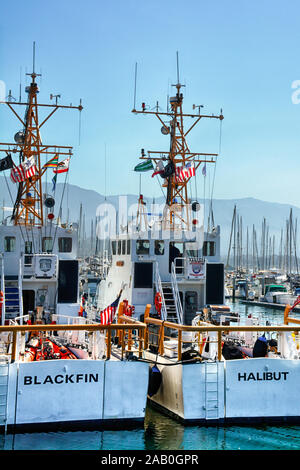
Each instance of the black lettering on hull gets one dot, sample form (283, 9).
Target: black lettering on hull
(61, 379)
(262, 376)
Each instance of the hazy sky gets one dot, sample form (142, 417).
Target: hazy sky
(237, 55)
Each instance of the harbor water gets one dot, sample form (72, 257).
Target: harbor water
(163, 433)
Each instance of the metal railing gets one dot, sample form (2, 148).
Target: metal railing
(180, 267)
(2, 288)
(159, 289)
(176, 295)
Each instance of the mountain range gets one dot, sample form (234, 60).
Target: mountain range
(250, 210)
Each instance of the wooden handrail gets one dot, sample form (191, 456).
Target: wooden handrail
(87, 327)
(176, 326)
(218, 328)
(15, 329)
(288, 319)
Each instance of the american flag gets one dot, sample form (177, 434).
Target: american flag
(25, 170)
(184, 172)
(108, 314)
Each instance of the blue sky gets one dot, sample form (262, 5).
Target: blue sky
(237, 55)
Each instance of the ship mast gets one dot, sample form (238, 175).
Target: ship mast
(177, 200)
(28, 206)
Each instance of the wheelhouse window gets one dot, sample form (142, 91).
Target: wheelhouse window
(123, 247)
(128, 247)
(142, 247)
(159, 247)
(119, 247)
(47, 244)
(9, 244)
(191, 250)
(175, 253)
(114, 247)
(65, 244)
(209, 248)
(28, 248)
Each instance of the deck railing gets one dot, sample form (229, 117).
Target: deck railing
(128, 332)
(205, 328)
(124, 330)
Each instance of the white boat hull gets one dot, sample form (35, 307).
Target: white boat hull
(239, 390)
(74, 392)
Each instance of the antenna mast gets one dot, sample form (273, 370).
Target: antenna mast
(28, 207)
(179, 155)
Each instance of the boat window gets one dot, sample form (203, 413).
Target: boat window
(47, 244)
(142, 247)
(119, 247)
(191, 250)
(278, 289)
(175, 252)
(209, 248)
(9, 244)
(123, 247)
(114, 247)
(65, 245)
(128, 247)
(159, 247)
(28, 248)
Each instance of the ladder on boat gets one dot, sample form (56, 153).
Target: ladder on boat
(211, 391)
(11, 286)
(171, 303)
(4, 368)
(12, 296)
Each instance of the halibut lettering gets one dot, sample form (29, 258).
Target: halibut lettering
(61, 379)
(260, 376)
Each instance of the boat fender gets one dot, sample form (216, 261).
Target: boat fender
(260, 348)
(155, 379)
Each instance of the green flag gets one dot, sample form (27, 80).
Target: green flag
(144, 166)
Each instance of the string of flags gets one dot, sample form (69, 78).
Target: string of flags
(182, 173)
(28, 168)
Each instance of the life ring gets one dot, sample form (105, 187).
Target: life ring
(158, 302)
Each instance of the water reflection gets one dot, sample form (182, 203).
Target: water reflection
(161, 433)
